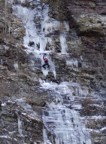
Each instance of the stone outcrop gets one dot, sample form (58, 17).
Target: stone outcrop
(17, 81)
(86, 43)
(58, 9)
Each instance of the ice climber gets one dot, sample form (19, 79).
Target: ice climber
(46, 62)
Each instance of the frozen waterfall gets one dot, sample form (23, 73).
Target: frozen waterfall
(64, 124)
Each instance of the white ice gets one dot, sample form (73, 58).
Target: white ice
(66, 125)
(63, 43)
(16, 66)
(73, 63)
(27, 16)
(63, 123)
(29, 112)
(20, 126)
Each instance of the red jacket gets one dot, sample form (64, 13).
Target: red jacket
(45, 59)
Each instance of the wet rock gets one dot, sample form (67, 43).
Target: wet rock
(91, 25)
(31, 43)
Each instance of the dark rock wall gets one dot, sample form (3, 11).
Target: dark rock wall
(17, 81)
(90, 19)
(87, 18)
(87, 44)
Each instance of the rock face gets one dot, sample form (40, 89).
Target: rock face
(18, 98)
(90, 23)
(86, 41)
(22, 99)
(87, 35)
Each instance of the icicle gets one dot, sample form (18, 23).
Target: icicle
(20, 126)
(63, 44)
